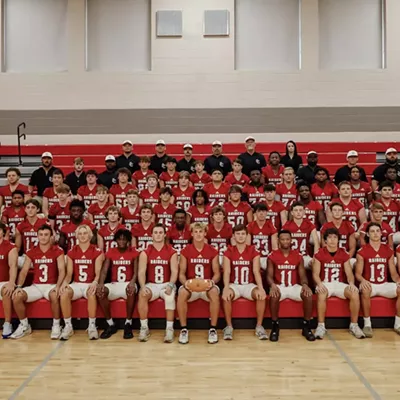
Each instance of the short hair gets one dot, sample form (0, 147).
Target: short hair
(217, 209)
(125, 171)
(237, 161)
(203, 192)
(302, 183)
(288, 169)
(3, 227)
(132, 191)
(63, 188)
(113, 208)
(184, 174)
(102, 189)
(198, 225)
(260, 207)
(45, 227)
(198, 162)
(370, 225)
(34, 202)
(152, 175)
(57, 171)
(235, 189)
(13, 169)
(77, 203)
(19, 192)
(269, 187)
(355, 167)
(170, 160)
(147, 207)
(239, 228)
(179, 211)
(145, 159)
(123, 233)
(166, 189)
(86, 228)
(385, 184)
(216, 170)
(92, 172)
(343, 183)
(390, 167)
(331, 231)
(296, 204)
(376, 206)
(79, 160)
(336, 204)
(159, 225)
(319, 169)
(275, 152)
(284, 232)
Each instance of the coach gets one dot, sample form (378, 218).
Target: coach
(41, 178)
(128, 159)
(391, 160)
(217, 160)
(250, 158)
(158, 162)
(343, 173)
(187, 162)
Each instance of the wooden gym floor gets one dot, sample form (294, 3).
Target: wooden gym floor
(338, 367)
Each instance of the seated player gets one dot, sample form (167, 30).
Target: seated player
(200, 210)
(59, 213)
(313, 209)
(199, 178)
(360, 190)
(217, 190)
(179, 236)
(391, 207)
(13, 176)
(131, 213)
(331, 269)
(158, 272)
(8, 275)
(375, 263)
(15, 213)
(277, 212)
(142, 232)
(254, 189)
(50, 194)
(170, 177)
(302, 233)
(182, 194)
(48, 264)
(287, 279)
(272, 173)
(286, 191)
(88, 192)
(151, 195)
(238, 212)
(140, 176)
(105, 235)
(123, 263)
(164, 210)
(262, 234)
(84, 263)
(97, 210)
(242, 278)
(236, 177)
(198, 261)
(323, 190)
(120, 189)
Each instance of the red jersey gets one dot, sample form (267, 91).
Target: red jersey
(60, 215)
(350, 212)
(5, 248)
(6, 193)
(241, 264)
(396, 191)
(140, 179)
(170, 180)
(254, 194)
(324, 195)
(69, 231)
(232, 180)
(88, 195)
(199, 262)
(271, 176)
(12, 218)
(221, 239)
(391, 213)
(179, 239)
(332, 266)
(29, 233)
(300, 236)
(274, 213)
(197, 216)
(361, 192)
(261, 236)
(312, 209)
(345, 231)
(99, 214)
(84, 263)
(150, 198)
(164, 215)
(159, 264)
(376, 263)
(183, 198)
(237, 215)
(119, 194)
(287, 196)
(122, 264)
(108, 235)
(143, 236)
(286, 268)
(130, 216)
(45, 267)
(386, 230)
(217, 197)
(51, 196)
(200, 181)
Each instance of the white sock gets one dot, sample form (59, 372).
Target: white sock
(321, 324)
(144, 323)
(110, 322)
(367, 322)
(92, 321)
(56, 322)
(6, 324)
(353, 325)
(68, 321)
(170, 324)
(128, 321)
(24, 322)
(396, 322)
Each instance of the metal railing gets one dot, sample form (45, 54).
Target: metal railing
(19, 136)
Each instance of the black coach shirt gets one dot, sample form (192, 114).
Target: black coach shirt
(306, 173)
(75, 182)
(343, 174)
(222, 163)
(380, 170)
(107, 178)
(158, 164)
(184, 165)
(131, 162)
(42, 179)
(252, 162)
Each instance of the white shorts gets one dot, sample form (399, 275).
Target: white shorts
(307, 262)
(37, 292)
(336, 289)
(1, 287)
(244, 291)
(158, 290)
(21, 261)
(388, 290)
(396, 238)
(290, 292)
(198, 295)
(117, 290)
(263, 262)
(79, 290)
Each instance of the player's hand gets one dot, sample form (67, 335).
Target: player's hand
(9, 288)
(63, 289)
(274, 291)
(261, 295)
(168, 290)
(145, 291)
(130, 289)
(92, 288)
(306, 291)
(210, 285)
(365, 286)
(353, 287)
(185, 286)
(16, 293)
(100, 291)
(321, 288)
(227, 294)
(57, 291)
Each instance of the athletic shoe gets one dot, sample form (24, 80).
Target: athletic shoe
(357, 332)
(184, 336)
(368, 331)
(260, 333)
(55, 332)
(128, 332)
(228, 333)
(212, 336)
(320, 332)
(67, 332)
(274, 334)
(169, 335)
(7, 330)
(92, 332)
(307, 333)
(144, 334)
(21, 331)
(109, 331)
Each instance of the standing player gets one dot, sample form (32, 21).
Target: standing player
(15, 213)
(236, 177)
(217, 190)
(123, 263)
(183, 192)
(287, 279)
(323, 190)
(254, 189)
(59, 213)
(277, 212)
(120, 189)
(200, 210)
(142, 232)
(286, 191)
(331, 267)
(50, 194)
(48, 275)
(13, 176)
(88, 192)
(140, 176)
(164, 210)
(158, 272)
(170, 177)
(391, 207)
(313, 209)
(8, 276)
(151, 195)
(274, 170)
(105, 235)
(360, 190)
(131, 213)
(179, 235)
(97, 210)
(375, 261)
(242, 278)
(237, 212)
(199, 261)
(200, 177)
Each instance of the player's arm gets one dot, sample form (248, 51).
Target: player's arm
(316, 274)
(352, 245)
(90, 217)
(69, 272)
(274, 289)
(362, 237)
(162, 183)
(374, 185)
(258, 278)
(303, 274)
(135, 271)
(216, 270)
(142, 270)
(248, 240)
(314, 236)
(18, 240)
(134, 242)
(226, 265)
(174, 268)
(274, 241)
(93, 240)
(328, 213)
(359, 268)
(1, 201)
(22, 275)
(100, 242)
(350, 276)
(7, 235)
(284, 217)
(182, 269)
(13, 271)
(61, 272)
(393, 271)
(362, 215)
(390, 240)
(321, 217)
(249, 216)
(45, 206)
(63, 242)
(104, 271)
(98, 264)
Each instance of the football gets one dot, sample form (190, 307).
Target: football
(198, 285)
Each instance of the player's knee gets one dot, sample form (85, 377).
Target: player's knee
(366, 293)
(53, 296)
(213, 294)
(183, 295)
(322, 296)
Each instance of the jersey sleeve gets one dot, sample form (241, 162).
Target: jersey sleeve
(350, 228)
(59, 251)
(318, 255)
(46, 193)
(31, 253)
(185, 252)
(228, 253)
(254, 252)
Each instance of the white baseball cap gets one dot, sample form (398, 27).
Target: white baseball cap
(187, 145)
(390, 150)
(160, 142)
(216, 143)
(249, 138)
(47, 154)
(127, 142)
(312, 152)
(352, 153)
(110, 158)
